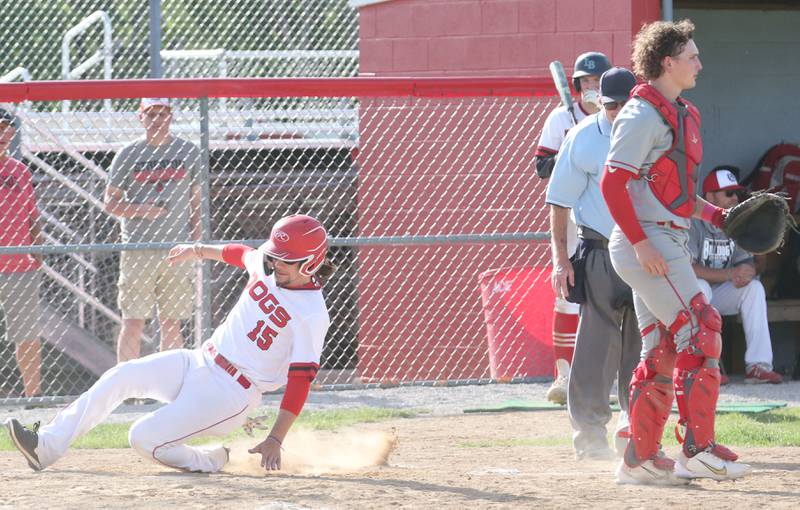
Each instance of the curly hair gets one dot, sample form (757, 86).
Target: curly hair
(658, 40)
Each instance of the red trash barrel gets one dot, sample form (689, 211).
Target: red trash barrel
(518, 311)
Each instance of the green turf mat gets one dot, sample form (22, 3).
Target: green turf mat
(526, 405)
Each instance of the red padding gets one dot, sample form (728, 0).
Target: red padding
(233, 254)
(472, 86)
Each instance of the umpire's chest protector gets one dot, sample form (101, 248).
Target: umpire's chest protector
(672, 177)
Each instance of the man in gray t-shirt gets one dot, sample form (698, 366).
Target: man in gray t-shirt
(726, 274)
(153, 189)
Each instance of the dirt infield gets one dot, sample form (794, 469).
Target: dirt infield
(466, 461)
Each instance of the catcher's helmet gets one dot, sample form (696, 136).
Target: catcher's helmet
(298, 238)
(588, 64)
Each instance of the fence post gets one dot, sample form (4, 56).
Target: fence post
(203, 316)
(155, 39)
(15, 149)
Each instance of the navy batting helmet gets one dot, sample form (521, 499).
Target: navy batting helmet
(588, 64)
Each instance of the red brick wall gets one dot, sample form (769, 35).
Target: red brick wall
(420, 312)
(497, 37)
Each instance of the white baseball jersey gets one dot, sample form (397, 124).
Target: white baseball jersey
(556, 126)
(272, 330)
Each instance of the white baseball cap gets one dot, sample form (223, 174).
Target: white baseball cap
(721, 179)
(147, 102)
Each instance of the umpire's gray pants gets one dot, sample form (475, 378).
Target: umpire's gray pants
(608, 343)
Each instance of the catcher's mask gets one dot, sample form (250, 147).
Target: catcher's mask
(298, 238)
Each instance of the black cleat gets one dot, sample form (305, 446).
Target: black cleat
(26, 441)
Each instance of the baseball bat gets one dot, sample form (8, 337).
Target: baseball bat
(560, 80)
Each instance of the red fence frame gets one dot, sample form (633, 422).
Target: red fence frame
(277, 87)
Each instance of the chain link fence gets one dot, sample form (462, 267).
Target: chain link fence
(423, 198)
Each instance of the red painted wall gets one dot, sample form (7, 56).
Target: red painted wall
(498, 37)
(420, 309)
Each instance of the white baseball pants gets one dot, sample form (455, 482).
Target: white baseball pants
(202, 400)
(751, 303)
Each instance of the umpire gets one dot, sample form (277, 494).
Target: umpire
(608, 340)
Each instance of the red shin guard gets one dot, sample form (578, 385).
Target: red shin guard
(651, 399)
(697, 378)
(696, 390)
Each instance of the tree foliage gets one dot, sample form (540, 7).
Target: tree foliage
(32, 30)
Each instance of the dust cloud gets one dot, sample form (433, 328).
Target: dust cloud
(313, 452)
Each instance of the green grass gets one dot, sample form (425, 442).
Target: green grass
(780, 427)
(115, 435)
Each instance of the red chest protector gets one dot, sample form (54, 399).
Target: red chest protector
(672, 177)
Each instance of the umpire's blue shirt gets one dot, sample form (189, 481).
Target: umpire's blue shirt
(575, 183)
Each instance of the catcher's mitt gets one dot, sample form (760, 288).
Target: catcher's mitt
(758, 224)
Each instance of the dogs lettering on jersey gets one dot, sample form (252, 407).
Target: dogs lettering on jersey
(264, 332)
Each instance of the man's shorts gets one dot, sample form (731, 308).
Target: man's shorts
(19, 301)
(145, 279)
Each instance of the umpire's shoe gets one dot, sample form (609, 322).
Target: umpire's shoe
(26, 441)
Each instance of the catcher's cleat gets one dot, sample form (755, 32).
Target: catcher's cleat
(708, 465)
(26, 441)
(557, 393)
(659, 470)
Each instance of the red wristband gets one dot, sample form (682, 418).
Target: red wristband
(713, 214)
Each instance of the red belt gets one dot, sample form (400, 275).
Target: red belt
(670, 224)
(229, 367)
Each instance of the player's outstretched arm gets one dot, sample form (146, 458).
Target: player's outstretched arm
(232, 254)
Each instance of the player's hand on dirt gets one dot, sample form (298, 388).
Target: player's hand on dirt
(180, 253)
(562, 276)
(742, 275)
(650, 258)
(270, 450)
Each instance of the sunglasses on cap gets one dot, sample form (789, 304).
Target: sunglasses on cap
(272, 260)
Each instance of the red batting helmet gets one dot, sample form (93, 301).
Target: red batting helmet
(298, 238)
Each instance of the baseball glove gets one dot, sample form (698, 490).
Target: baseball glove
(759, 223)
